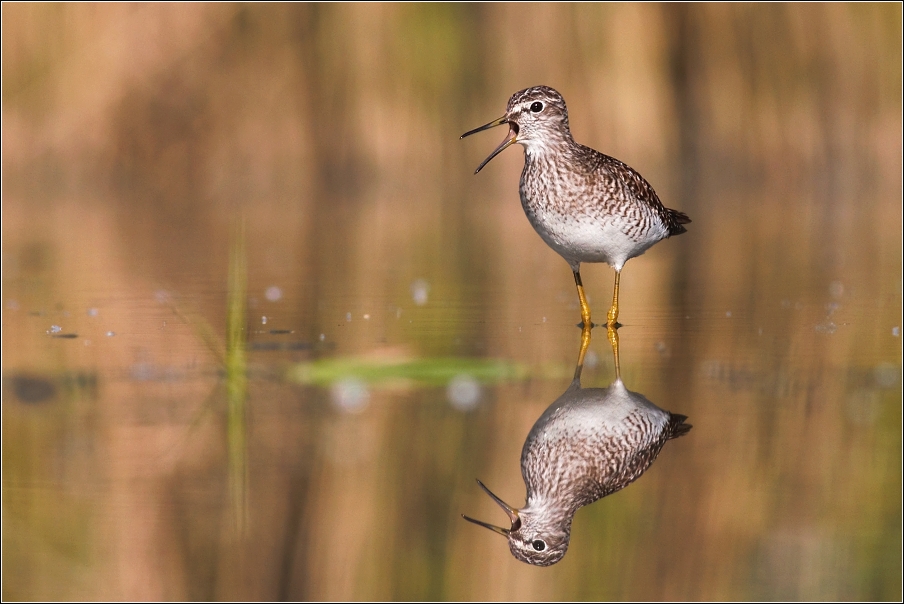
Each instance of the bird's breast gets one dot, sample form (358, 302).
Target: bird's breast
(586, 221)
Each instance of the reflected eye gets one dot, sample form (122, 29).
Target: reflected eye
(538, 545)
(536, 107)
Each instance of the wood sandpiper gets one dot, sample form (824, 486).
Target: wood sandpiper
(587, 206)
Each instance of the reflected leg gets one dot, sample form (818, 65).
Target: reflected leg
(612, 334)
(585, 344)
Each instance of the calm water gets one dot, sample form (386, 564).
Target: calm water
(263, 328)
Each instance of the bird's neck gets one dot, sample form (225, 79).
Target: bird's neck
(552, 510)
(559, 146)
(548, 513)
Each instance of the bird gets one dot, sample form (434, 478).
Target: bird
(589, 443)
(587, 206)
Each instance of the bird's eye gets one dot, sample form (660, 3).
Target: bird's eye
(538, 545)
(536, 107)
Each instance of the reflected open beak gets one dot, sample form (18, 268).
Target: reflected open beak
(512, 512)
(509, 140)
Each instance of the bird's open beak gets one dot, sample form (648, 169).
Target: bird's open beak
(512, 512)
(509, 140)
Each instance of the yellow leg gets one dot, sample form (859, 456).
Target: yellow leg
(612, 334)
(612, 316)
(585, 308)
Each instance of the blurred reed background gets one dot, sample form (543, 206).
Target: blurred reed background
(135, 138)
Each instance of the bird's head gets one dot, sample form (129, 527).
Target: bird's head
(537, 117)
(536, 535)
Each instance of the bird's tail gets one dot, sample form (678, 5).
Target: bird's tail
(674, 219)
(676, 426)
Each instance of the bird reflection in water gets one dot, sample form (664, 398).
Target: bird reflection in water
(588, 444)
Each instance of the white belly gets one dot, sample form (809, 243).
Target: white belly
(594, 239)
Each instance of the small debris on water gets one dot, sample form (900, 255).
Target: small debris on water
(827, 327)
